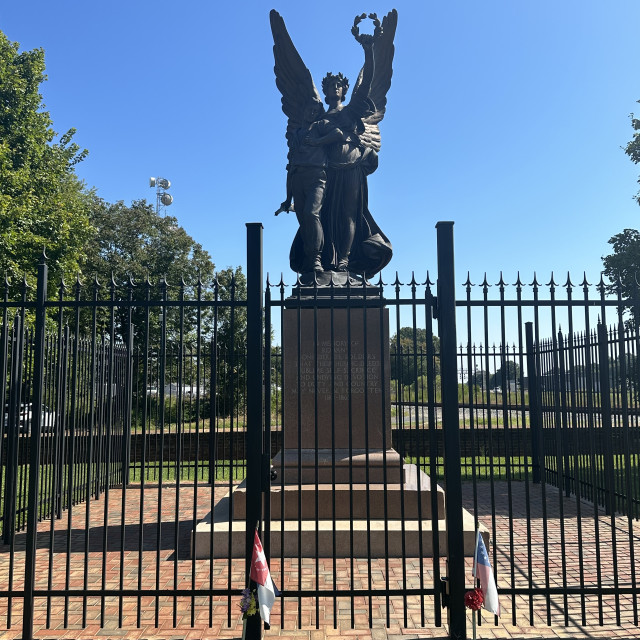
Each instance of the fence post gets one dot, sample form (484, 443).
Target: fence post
(607, 431)
(535, 427)
(34, 450)
(451, 427)
(255, 417)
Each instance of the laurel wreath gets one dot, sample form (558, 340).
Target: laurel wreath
(355, 30)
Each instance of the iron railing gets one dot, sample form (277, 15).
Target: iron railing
(162, 399)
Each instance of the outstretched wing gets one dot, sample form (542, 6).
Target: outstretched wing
(293, 79)
(383, 50)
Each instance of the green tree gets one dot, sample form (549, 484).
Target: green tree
(479, 378)
(632, 381)
(231, 340)
(135, 243)
(409, 354)
(623, 265)
(43, 204)
(633, 146)
(505, 376)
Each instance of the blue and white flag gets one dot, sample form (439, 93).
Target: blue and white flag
(482, 571)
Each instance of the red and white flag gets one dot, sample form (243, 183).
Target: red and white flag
(261, 575)
(482, 571)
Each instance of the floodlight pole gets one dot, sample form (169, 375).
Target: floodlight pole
(163, 199)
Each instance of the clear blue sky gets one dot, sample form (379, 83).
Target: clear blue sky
(505, 116)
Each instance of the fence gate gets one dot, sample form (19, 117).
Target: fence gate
(355, 519)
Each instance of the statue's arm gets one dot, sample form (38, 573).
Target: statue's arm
(335, 135)
(383, 50)
(286, 205)
(359, 101)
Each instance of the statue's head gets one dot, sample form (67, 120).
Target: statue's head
(313, 110)
(332, 85)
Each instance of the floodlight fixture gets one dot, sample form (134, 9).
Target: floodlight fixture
(163, 199)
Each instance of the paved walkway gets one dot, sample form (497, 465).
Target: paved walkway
(131, 556)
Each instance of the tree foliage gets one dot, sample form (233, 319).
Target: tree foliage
(145, 254)
(134, 241)
(134, 245)
(505, 376)
(479, 378)
(622, 267)
(633, 146)
(42, 202)
(231, 334)
(409, 354)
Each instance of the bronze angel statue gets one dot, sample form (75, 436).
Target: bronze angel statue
(331, 153)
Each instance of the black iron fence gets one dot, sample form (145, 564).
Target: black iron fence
(588, 390)
(132, 414)
(84, 422)
(537, 415)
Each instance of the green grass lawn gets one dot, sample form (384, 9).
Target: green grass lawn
(224, 470)
(479, 468)
(498, 467)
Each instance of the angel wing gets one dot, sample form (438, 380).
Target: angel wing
(383, 50)
(293, 79)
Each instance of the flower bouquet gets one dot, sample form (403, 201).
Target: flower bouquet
(474, 600)
(249, 607)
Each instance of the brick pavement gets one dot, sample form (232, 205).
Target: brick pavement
(525, 556)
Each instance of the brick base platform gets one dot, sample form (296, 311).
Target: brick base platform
(204, 617)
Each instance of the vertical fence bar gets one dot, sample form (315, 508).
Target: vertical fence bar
(92, 466)
(71, 460)
(627, 365)
(607, 431)
(58, 423)
(12, 428)
(564, 426)
(534, 410)
(266, 444)
(4, 362)
(433, 449)
(126, 439)
(609, 464)
(451, 425)
(413, 364)
(126, 423)
(199, 419)
(179, 442)
(34, 453)
(213, 394)
(164, 309)
(254, 400)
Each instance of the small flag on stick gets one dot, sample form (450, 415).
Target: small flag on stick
(482, 571)
(261, 575)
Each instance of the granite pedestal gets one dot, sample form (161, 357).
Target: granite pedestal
(337, 475)
(337, 399)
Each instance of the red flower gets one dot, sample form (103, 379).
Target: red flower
(473, 599)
